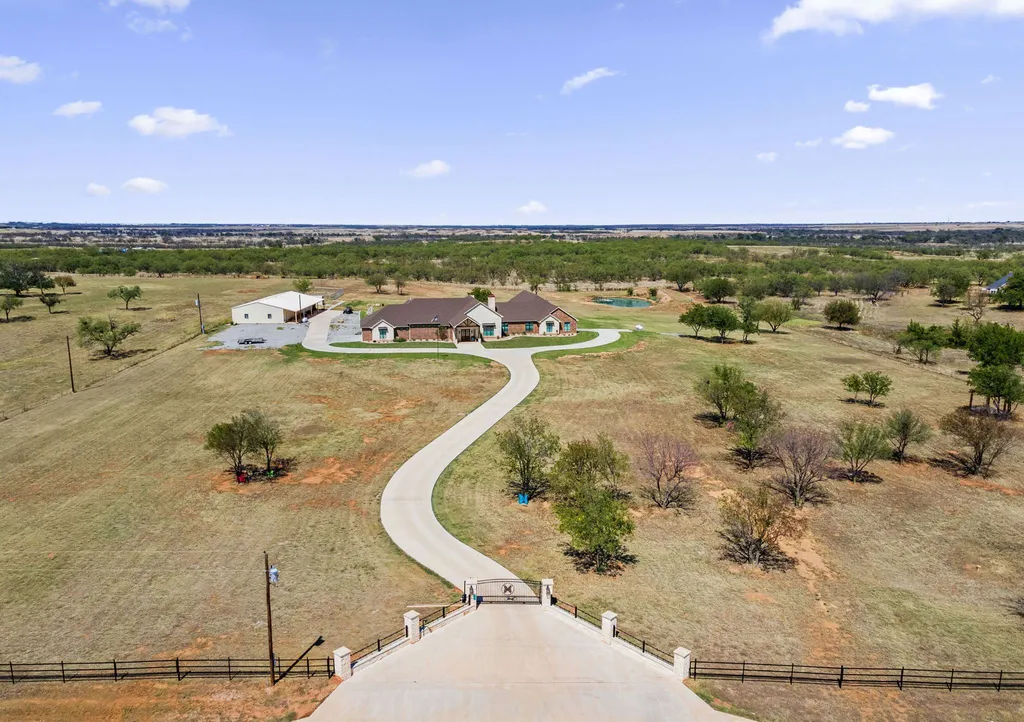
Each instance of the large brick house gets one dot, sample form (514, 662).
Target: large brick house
(466, 319)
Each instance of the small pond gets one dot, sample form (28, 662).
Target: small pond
(627, 302)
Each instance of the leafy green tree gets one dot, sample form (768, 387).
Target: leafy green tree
(801, 292)
(861, 444)
(877, 385)
(757, 416)
(264, 435)
(527, 452)
(41, 281)
(994, 345)
(535, 282)
(126, 294)
(854, 384)
(776, 313)
(754, 521)
(681, 276)
(985, 437)
(756, 287)
(837, 284)
(724, 389)
(232, 441)
(598, 525)
(696, 317)
(16, 277)
(724, 320)
(1012, 294)
(8, 304)
(108, 333)
(481, 294)
(904, 428)
(64, 283)
(401, 281)
(926, 342)
(959, 335)
(50, 300)
(377, 280)
(587, 464)
(302, 285)
(842, 312)
(948, 289)
(717, 289)
(1001, 384)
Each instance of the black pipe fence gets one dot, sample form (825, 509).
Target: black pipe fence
(842, 676)
(441, 613)
(120, 669)
(379, 644)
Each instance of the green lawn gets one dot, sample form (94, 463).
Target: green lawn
(294, 352)
(363, 344)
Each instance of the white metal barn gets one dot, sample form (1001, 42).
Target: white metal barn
(286, 307)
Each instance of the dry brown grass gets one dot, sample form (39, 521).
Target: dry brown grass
(124, 538)
(917, 570)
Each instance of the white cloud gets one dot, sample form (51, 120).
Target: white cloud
(79, 107)
(15, 70)
(989, 79)
(95, 189)
(533, 208)
(177, 123)
(430, 169)
(769, 157)
(161, 5)
(145, 185)
(574, 84)
(148, 26)
(842, 17)
(856, 106)
(809, 143)
(860, 137)
(915, 96)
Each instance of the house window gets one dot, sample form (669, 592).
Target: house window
(489, 329)
(268, 315)
(504, 329)
(567, 327)
(551, 326)
(529, 327)
(382, 333)
(247, 315)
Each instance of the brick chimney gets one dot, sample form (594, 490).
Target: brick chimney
(492, 303)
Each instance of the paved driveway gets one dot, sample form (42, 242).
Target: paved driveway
(406, 509)
(276, 335)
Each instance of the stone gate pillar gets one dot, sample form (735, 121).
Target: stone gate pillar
(412, 626)
(547, 591)
(609, 623)
(470, 590)
(682, 663)
(343, 663)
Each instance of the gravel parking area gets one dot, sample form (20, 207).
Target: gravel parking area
(345, 329)
(276, 335)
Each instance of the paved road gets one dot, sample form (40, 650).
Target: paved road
(512, 663)
(406, 509)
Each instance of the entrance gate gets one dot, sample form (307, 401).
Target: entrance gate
(508, 591)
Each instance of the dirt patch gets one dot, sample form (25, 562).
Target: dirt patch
(507, 547)
(332, 471)
(759, 597)
(988, 486)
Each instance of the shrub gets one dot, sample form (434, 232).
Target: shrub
(753, 523)
(854, 384)
(904, 428)
(842, 312)
(985, 437)
(805, 456)
(64, 283)
(859, 445)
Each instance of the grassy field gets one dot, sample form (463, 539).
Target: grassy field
(917, 570)
(33, 354)
(127, 539)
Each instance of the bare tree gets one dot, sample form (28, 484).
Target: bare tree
(975, 303)
(667, 465)
(985, 437)
(804, 455)
(754, 521)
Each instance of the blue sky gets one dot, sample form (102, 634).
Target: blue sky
(445, 112)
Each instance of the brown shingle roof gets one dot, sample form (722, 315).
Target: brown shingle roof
(448, 311)
(525, 306)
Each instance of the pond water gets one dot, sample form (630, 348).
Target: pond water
(626, 302)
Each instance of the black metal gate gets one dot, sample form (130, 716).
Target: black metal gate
(508, 591)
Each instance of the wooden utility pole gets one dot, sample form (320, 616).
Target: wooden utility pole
(199, 305)
(270, 621)
(71, 369)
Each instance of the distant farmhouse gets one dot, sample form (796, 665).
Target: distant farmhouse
(998, 285)
(280, 308)
(466, 319)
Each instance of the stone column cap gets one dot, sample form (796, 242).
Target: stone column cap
(412, 616)
(610, 616)
(342, 651)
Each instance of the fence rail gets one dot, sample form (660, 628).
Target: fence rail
(378, 645)
(576, 612)
(898, 677)
(441, 613)
(180, 669)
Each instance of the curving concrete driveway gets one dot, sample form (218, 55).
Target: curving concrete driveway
(406, 508)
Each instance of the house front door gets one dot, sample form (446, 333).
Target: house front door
(468, 335)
